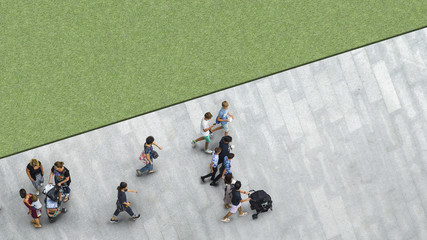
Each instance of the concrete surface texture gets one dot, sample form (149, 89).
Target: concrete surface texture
(339, 144)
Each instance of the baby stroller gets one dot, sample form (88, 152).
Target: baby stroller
(53, 200)
(260, 202)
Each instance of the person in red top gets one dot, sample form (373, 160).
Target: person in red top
(33, 212)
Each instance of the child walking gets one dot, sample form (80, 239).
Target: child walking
(122, 204)
(148, 155)
(227, 164)
(236, 202)
(229, 185)
(205, 130)
(214, 164)
(223, 118)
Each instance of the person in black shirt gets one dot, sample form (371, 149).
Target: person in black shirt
(225, 146)
(236, 201)
(35, 173)
(62, 178)
(122, 203)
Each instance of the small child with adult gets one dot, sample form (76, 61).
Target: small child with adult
(35, 173)
(36, 204)
(148, 155)
(28, 200)
(236, 202)
(122, 204)
(213, 166)
(204, 130)
(224, 117)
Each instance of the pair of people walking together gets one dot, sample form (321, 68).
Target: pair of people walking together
(223, 118)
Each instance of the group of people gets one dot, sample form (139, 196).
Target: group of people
(222, 156)
(54, 194)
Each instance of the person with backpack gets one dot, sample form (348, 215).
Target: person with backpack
(236, 202)
(148, 155)
(122, 203)
(62, 178)
(35, 173)
(224, 117)
(229, 185)
(225, 146)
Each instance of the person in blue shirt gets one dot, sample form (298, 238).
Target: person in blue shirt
(148, 155)
(214, 164)
(227, 164)
(224, 117)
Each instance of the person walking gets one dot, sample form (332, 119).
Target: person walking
(213, 166)
(227, 164)
(225, 145)
(35, 173)
(28, 201)
(204, 130)
(236, 202)
(148, 155)
(224, 117)
(228, 180)
(122, 203)
(62, 178)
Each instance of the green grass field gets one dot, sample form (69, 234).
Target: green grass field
(68, 67)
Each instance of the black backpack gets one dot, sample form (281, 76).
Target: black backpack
(52, 194)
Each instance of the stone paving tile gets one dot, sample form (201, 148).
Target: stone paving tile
(339, 144)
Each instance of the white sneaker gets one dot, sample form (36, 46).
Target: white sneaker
(208, 151)
(37, 192)
(193, 143)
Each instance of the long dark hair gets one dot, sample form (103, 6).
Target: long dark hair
(122, 186)
(22, 193)
(228, 177)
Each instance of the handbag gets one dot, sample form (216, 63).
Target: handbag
(155, 155)
(120, 206)
(143, 157)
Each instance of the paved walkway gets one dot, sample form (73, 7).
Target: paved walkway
(340, 145)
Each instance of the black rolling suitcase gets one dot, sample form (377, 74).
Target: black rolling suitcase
(260, 202)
